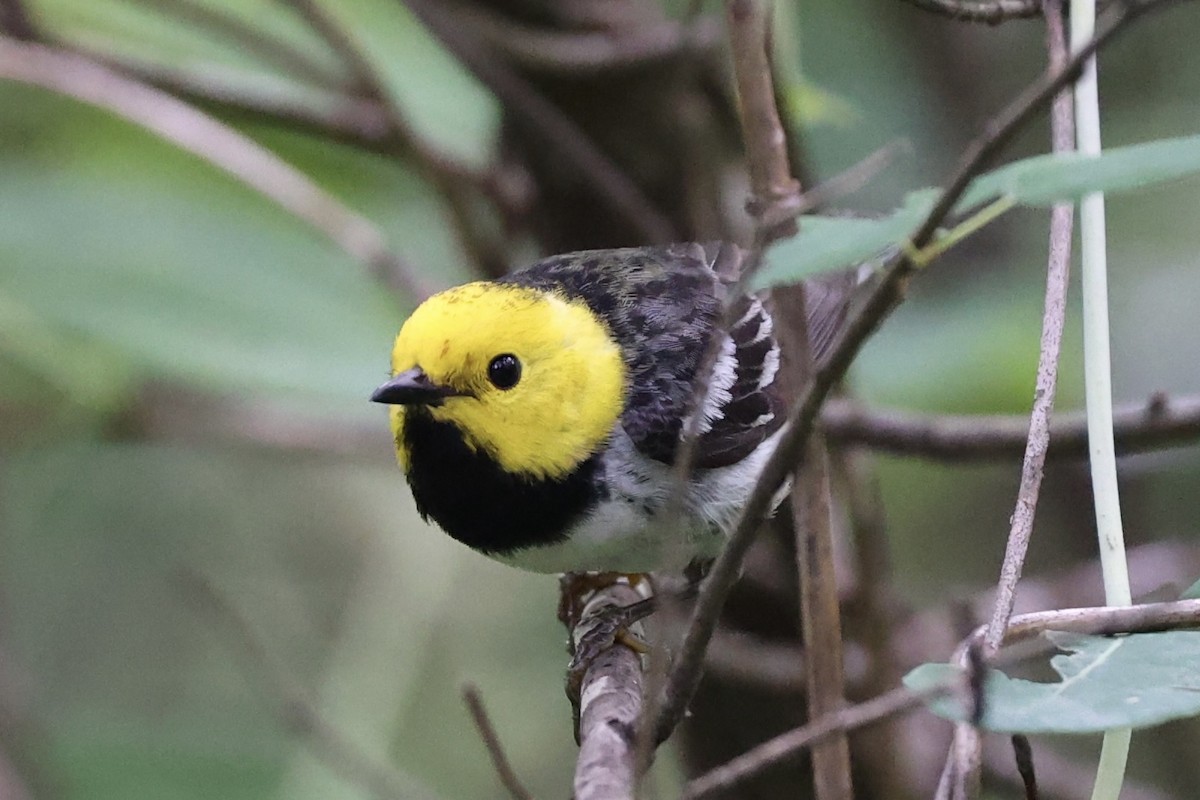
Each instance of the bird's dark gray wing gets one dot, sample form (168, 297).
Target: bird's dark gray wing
(662, 305)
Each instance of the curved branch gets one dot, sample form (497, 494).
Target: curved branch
(1101, 620)
(1152, 425)
(248, 39)
(216, 143)
(508, 777)
(615, 189)
(650, 45)
(991, 12)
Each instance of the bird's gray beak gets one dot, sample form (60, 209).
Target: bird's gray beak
(412, 387)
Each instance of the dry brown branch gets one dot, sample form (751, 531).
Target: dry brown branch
(963, 766)
(1158, 423)
(776, 194)
(16, 21)
(217, 144)
(342, 43)
(876, 306)
(588, 52)
(1053, 319)
(247, 38)
(992, 12)
(610, 704)
(454, 181)
(871, 607)
(1100, 620)
(820, 618)
(816, 572)
(487, 732)
(1023, 755)
(753, 761)
(1059, 777)
(613, 188)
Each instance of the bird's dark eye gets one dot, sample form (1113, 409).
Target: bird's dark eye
(504, 371)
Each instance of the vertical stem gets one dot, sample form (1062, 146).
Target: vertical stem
(1097, 360)
(1098, 380)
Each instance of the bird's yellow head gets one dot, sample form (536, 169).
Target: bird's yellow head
(532, 378)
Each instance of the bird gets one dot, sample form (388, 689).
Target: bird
(537, 417)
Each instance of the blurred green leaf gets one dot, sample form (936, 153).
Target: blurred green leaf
(1130, 681)
(87, 374)
(826, 243)
(1044, 180)
(195, 278)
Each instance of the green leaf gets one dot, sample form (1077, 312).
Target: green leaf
(1192, 593)
(1044, 180)
(1133, 681)
(826, 243)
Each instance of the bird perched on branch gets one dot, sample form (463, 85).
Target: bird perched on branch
(537, 417)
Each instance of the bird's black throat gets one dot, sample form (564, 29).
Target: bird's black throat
(474, 500)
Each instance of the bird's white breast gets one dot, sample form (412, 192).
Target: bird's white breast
(625, 531)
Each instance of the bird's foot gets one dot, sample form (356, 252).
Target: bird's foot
(597, 624)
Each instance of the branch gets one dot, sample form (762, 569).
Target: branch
(340, 117)
(588, 53)
(811, 530)
(248, 39)
(15, 20)
(491, 741)
(610, 703)
(992, 12)
(1102, 620)
(877, 305)
(342, 43)
(1053, 319)
(776, 193)
(966, 756)
(1158, 423)
(613, 187)
(214, 142)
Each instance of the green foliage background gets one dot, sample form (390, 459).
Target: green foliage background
(125, 263)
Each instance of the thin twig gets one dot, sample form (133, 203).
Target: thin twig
(992, 12)
(454, 181)
(214, 142)
(620, 195)
(1101, 620)
(1053, 319)
(341, 42)
(820, 615)
(487, 732)
(775, 202)
(1023, 755)
(873, 611)
(1158, 423)
(965, 759)
(293, 61)
(876, 306)
(342, 118)
(776, 194)
(586, 53)
(811, 528)
(16, 21)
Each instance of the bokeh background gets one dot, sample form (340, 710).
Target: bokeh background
(200, 517)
